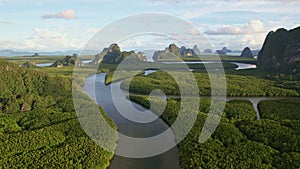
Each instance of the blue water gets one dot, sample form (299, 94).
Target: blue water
(43, 64)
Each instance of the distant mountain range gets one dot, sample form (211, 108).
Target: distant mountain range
(185, 52)
(174, 51)
(6, 52)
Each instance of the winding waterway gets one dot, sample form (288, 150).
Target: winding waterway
(167, 160)
(242, 66)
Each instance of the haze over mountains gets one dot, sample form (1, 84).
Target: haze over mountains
(280, 52)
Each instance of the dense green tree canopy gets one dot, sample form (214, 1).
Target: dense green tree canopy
(38, 124)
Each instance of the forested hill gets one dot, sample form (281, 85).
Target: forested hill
(114, 55)
(38, 124)
(24, 89)
(281, 51)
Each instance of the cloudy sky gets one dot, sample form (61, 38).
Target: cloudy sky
(51, 25)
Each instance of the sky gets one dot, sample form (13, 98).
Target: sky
(59, 25)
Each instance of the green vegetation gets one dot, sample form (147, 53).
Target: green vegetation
(252, 86)
(36, 59)
(129, 69)
(47, 138)
(239, 141)
(157, 65)
(280, 110)
(28, 65)
(224, 58)
(66, 61)
(272, 133)
(40, 58)
(38, 124)
(26, 87)
(287, 81)
(239, 110)
(237, 85)
(114, 76)
(39, 127)
(65, 72)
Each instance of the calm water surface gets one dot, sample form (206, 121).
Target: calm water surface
(168, 160)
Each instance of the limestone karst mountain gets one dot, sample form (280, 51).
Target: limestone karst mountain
(114, 55)
(281, 51)
(173, 51)
(247, 53)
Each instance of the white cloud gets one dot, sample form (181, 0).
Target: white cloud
(238, 36)
(45, 39)
(132, 44)
(255, 42)
(6, 44)
(66, 14)
(193, 31)
(282, 23)
(225, 30)
(201, 9)
(255, 26)
(252, 35)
